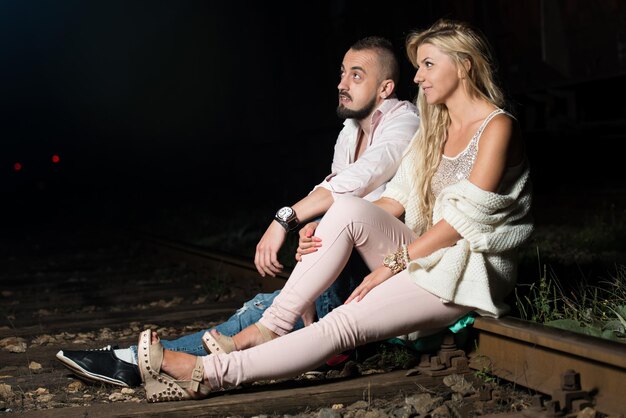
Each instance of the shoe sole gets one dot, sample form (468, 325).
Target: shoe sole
(93, 377)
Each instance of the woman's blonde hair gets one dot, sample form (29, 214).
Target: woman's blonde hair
(460, 42)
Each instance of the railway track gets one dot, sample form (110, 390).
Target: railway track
(567, 371)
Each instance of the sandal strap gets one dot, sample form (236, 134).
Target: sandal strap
(197, 377)
(218, 344)
(154, 352)
(156, 355)
(265, 332)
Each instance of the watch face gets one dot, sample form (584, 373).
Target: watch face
(284, 213)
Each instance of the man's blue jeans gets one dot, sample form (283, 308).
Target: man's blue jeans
(252, 310)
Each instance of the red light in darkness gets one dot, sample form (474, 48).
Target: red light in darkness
(17, 166)
(55, 158)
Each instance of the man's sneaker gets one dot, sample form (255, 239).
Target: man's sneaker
(100, 365)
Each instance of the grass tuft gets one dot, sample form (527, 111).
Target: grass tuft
(598, 310)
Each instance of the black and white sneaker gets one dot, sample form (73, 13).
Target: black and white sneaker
(100, 365)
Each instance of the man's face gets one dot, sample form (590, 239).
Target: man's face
(359, 84)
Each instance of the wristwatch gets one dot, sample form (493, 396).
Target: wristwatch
(286, 216)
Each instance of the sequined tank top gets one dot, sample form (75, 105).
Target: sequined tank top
(454, 169)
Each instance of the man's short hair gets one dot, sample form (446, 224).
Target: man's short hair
(386, 55)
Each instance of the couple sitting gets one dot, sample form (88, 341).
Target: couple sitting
(439, 243)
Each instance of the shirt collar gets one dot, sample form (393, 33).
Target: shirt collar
(386, 106)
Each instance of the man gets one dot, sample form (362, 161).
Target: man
(377, 129)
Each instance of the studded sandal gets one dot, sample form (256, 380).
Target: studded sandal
(161, 387)
(220, 343)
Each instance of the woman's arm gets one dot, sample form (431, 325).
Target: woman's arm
(500, 146)
(440, 235)
(390, 206)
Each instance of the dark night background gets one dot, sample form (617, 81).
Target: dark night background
(224, 105)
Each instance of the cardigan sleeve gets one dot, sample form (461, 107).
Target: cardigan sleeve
(491, 222)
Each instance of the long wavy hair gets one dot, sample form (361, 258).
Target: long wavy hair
(460, 42)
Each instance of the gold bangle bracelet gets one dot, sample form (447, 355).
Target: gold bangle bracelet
(395, 261)
(405, 255)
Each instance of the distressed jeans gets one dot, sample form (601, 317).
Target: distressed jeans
(252, 310)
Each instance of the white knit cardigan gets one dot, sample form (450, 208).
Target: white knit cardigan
(480, 270)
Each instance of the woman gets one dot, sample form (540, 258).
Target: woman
(464, 194)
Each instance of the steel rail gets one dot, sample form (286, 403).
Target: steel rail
(573, 368)
(240, 266)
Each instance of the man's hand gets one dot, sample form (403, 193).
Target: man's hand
(308, 243)
(266, 256)
(370, 281)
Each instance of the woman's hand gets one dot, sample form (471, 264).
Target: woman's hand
(308, 243)
(370, 281)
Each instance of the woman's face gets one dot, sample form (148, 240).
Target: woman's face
(437, 74)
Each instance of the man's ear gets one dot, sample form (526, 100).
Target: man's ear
(386, 88)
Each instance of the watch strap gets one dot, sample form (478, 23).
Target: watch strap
(290, 223)
(283, 224)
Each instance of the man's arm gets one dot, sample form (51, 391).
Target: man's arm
(375, 167)
(314, 204)
(380, 160)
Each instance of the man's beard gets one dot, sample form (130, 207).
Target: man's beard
(358, 114)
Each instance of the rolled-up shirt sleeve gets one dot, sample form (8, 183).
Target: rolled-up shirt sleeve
(378, 163)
